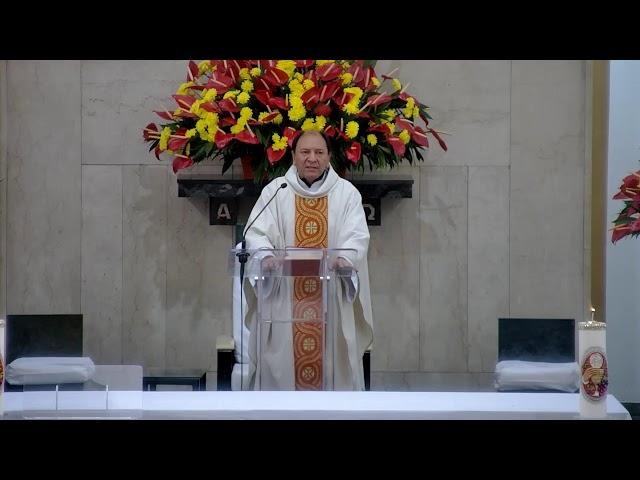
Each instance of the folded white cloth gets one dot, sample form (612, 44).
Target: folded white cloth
(240, 376)
(49, 370)
(521, 375)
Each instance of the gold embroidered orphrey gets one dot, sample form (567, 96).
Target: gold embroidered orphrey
(311, 227)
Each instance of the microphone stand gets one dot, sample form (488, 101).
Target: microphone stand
(243, 257)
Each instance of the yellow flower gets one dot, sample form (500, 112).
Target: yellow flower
(296, 114)
(195, 107)
(182, 90)
(375, 82)
(416, 113)
(190, 133)
(210, 123)
(247, 86)
(298, 76)
(389, 114)
(231, 94)
(243, 98)
(318, 124)
(296, 88)
(209, 95)
(408, 110)
(204, 66)
(164, 138)
(279, 143)
(201, 127)
(297, 110)
(390, 126)
(396, 84)
(346, 78)
(308, 84)
(404, 136)
(351, 107)
(322, 62)
(246, 112)
(244, 73)
(372, 139)
(308, 124)
(278, 119)
(261, 115)
(357, 91)
(239, 126)
(352, 129)
(255, 72)
(287, 66)
(211, 118)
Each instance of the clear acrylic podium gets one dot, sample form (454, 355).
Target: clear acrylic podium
(291, 305)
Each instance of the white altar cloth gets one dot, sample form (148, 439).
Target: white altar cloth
(300, 405)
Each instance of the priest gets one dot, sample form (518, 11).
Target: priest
(317, 210)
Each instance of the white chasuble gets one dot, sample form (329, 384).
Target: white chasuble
(328, 214)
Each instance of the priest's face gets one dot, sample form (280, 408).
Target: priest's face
(311, 156)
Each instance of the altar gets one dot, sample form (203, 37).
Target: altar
(308, 405)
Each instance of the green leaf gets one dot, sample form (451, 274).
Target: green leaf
(209, 149)
(261, 136)
(228, 161)
(385, 149)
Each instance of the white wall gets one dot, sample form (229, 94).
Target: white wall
(623, 258)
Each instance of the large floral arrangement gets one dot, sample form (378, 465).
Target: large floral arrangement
(254, 109)
(628, 220)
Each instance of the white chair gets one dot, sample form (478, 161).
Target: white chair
(536, 355)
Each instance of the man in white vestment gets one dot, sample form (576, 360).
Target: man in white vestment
(318, 209)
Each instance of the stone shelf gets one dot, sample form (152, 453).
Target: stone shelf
(224, 193)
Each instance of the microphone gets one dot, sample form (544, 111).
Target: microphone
(243, 255)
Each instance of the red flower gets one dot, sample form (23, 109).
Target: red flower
(180, 162)
(274, 155)
(246, 136)
(222, 139)
(178, 141)
(619, 233)
(353, 152)
(323, 109)
(328, 71)
(628, 220)
(397, 145)
(150, 132)
(270, 98)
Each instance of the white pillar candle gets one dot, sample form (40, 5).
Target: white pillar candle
(594, 378)
(2, 371)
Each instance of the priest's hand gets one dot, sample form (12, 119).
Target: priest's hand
(269, 264)
(343, 267)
